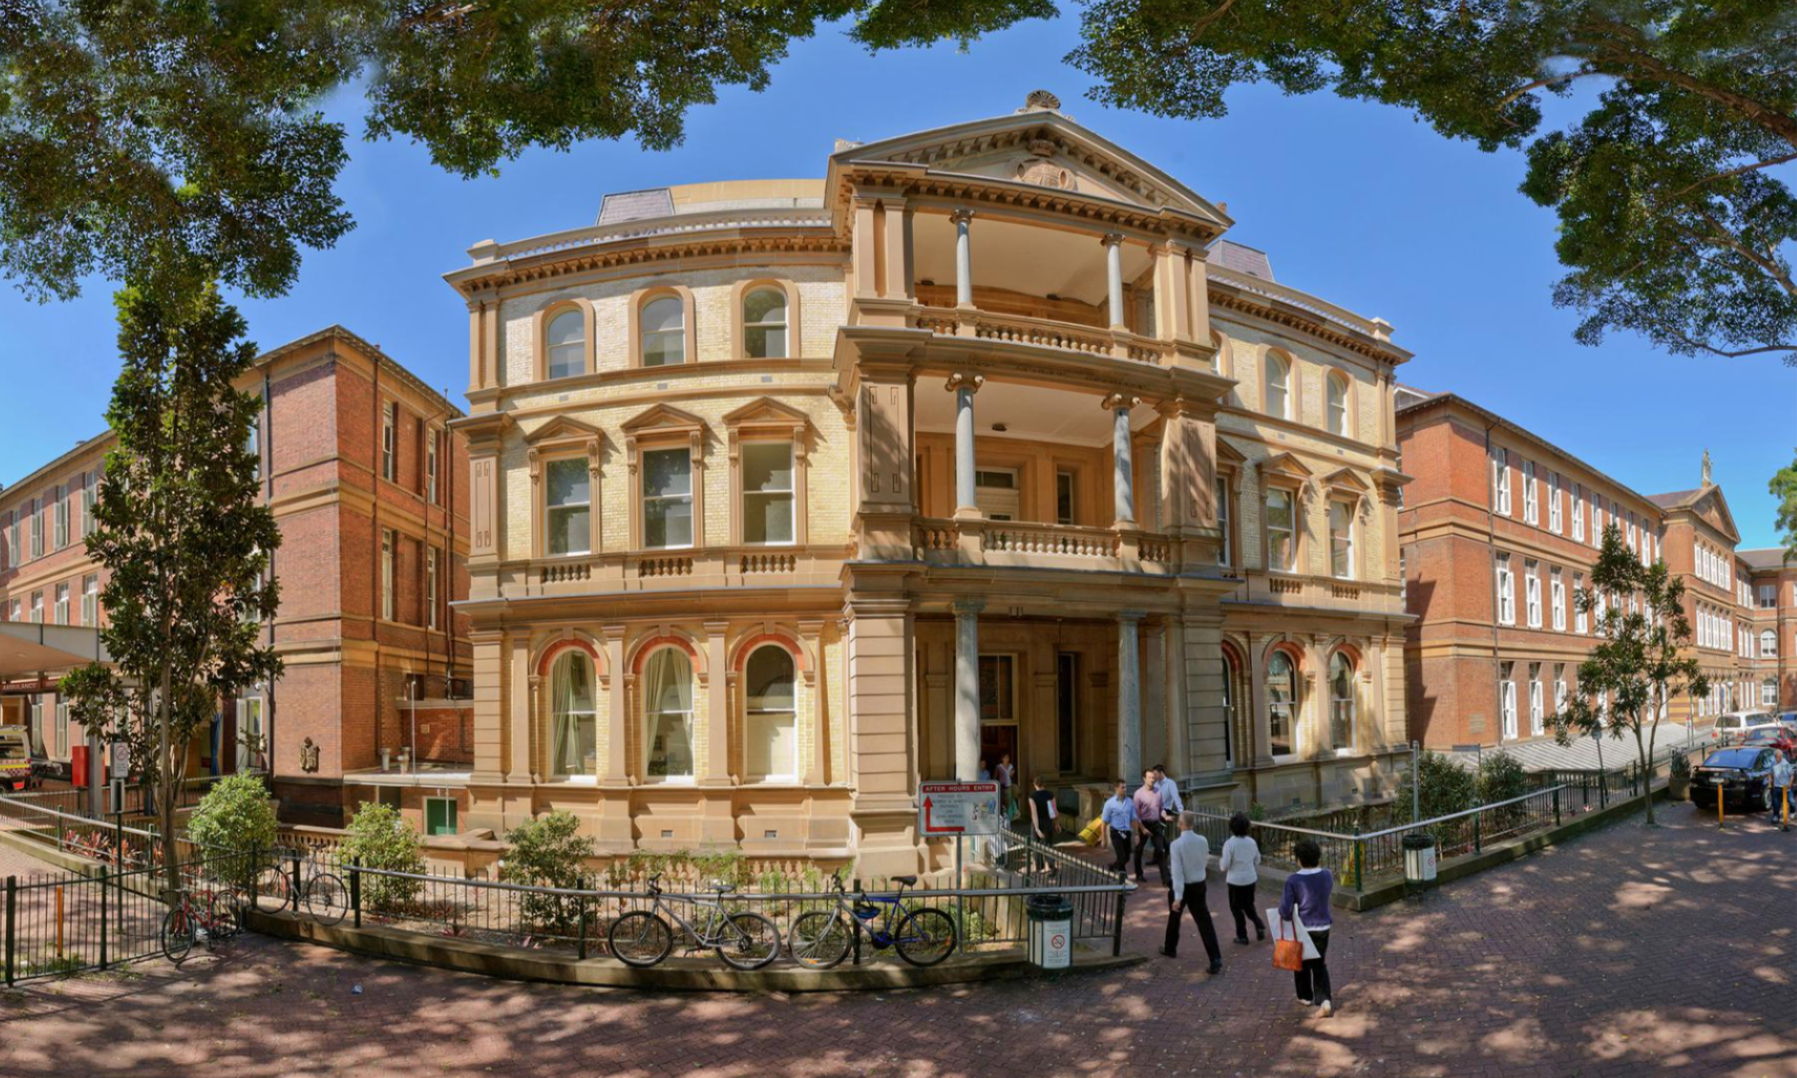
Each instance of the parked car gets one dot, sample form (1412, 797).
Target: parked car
(1744, 775)
(1777, 736)
(1737, 724)
(15, 758)
(1789, 718)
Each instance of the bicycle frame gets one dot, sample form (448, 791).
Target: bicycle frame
(715, 920)
(895, 910)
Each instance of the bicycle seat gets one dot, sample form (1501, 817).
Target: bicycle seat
(908, 881)
(722, 886)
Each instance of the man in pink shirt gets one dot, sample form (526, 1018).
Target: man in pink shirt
(1150, 827)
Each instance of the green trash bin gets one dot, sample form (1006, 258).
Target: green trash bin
(1051, 931)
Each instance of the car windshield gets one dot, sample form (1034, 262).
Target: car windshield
(12, 750)
(1733, 758)
(1728, 722)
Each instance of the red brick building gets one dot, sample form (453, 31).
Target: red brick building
(1499, 530)
(367, 482)
(1772, 664)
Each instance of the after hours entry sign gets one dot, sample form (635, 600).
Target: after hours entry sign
(957, 808)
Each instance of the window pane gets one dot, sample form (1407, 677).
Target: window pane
(570, 530)
(767, 466)
(1279, 704)
(573, 748)
(667, 473)
(567, 346)
(567, 482)
(765, 306)
(767, 518)
(668, 522)
(664, 349)
(667, 707)
(663, 314)
(664, 332)
(1063, 497)
(770, 680)
(773, 745)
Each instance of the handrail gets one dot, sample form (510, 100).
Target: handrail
(772, 217)
(85, 821)
(1463, 812)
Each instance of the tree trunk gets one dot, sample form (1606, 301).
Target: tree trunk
(1646, 777)
(166, 795)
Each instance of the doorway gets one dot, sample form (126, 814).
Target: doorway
(998, 709)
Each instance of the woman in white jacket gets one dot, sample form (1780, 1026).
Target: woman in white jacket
(1241, 870)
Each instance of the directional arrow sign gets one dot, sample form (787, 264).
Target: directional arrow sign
(958, 808)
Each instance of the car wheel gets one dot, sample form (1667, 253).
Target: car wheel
(1766, 798)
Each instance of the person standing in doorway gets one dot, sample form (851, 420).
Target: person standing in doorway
(1241, 871)
(1005, 776)
(1042, 822)
(1307, 893)
(985, 774)
(1150, 828)
(1119, 816)
(1189, 858)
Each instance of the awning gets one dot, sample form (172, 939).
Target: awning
(28, 649)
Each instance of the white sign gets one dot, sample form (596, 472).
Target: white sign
(1057, 952)
(957, 808)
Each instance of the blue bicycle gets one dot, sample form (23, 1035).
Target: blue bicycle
(924, 935)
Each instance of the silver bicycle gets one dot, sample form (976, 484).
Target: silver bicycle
(745, 940)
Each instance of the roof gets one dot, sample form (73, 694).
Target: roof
(1523, 432)
(1679, 501)
(1546, 754)
(1675, 499)
(1241, 258)
(1771, 557)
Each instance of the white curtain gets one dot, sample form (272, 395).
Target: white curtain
(668, 708)
(571, 708)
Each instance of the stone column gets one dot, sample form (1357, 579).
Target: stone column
(714, 770)
(1123, 475)
(963, 219)
(617, 715)
(813, 765)
(1113, 273)
(880, 736)
(967, 688)
(966, 490)
(1157, 723)
(519, 765)
(1129, 696)
(1259, 750)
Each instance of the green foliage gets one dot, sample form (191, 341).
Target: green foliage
(1257, 811)
(1783, 486)
(1679, 766)
(180, 528)
(1501, 778)
(235, 815)
(1446, 788)
(1643, 655)
(379, 837)
(1670, 224)
(549, 851)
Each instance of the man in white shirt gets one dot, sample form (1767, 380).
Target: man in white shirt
(1189, 859)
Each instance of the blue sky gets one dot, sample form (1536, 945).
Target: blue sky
(1359, 204)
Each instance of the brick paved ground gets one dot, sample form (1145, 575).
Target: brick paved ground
(1626, 953)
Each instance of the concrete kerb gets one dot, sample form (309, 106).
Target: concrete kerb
(695, 975)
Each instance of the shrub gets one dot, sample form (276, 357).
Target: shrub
(1679, 766)
(378, 837)
(1501, 777)
(1446, 788)
(234, 823)
(549, 851)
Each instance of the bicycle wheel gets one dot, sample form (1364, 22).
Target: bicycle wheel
(750, 941)
(640, 939)
(177, 934)
(327, 900)
(925, 937)
(272, 883)
(819, 939)
(225, 912)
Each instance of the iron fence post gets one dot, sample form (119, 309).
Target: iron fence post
(1478, 818)
(583, 930)
(1556, 806)
(1603, 789)
(102, 916)
(1357, 845)
(1117, 918)
(296, 883)
(355, 889)
(255, 878)
(12, 928)
(855, 926)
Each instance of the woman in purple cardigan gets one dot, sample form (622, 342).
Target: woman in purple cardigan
(1307, 892)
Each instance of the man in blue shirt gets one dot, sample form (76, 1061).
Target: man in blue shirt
(1171, 805)
(1119, 816)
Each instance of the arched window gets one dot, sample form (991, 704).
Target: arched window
(1341, 702)
(1229, 675)
(1338, 404)
(668, 714)
(1769, 692)
(567, 344)
(764, 324)
(1282, 705)
(663, 323)
(571, 743)
(1278, 388)
(771, 752)
(1768, 644)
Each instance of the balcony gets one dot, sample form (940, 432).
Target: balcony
(1029, 545)
(711, 568)
(1044, 333)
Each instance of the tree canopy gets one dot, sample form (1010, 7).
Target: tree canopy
(1783, 486)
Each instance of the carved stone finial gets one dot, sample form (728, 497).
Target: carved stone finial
(1040, 101)
(1706, 467)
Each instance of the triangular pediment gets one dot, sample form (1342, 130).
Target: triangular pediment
(1346, 479)
(1713, 508)
(765, 411)
(1287, 465)
(1038, 147)
(561, 428)
(663, 417)
(1229, 454)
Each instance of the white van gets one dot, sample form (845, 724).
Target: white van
(1738, 724)
(15, 758)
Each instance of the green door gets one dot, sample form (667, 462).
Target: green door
(439, 815)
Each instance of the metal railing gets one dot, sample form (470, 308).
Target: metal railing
(1360, 859)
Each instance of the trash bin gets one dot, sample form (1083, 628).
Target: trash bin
(1419, 859)
(1051, 931)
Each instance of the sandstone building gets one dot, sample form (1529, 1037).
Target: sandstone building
(787, 494)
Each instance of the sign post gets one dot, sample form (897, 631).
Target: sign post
(950, 809)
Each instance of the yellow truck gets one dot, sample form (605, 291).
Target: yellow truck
(15, 758)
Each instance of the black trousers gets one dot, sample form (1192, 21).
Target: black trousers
(1313, 979)
(1241, 905)
(1043, 841)
(1200, 911)
(1156, 832)
(1119, 847)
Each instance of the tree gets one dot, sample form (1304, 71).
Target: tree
(1672, 223)
(549, 851)
(1784, 487)
(1639, 664)
(236, 819)
(186, 544)
(379, 837)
